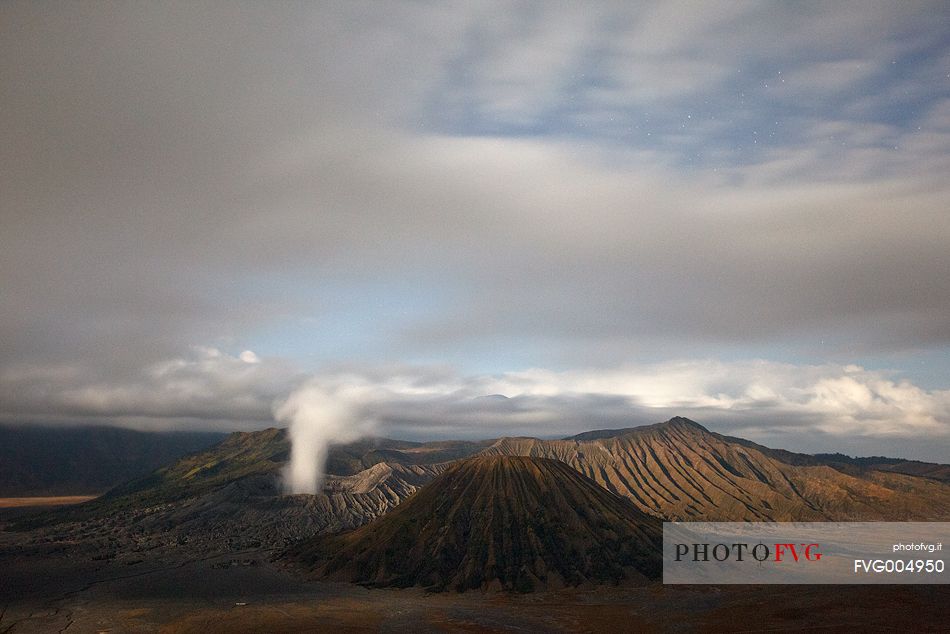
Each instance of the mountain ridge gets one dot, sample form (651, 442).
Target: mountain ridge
(679, 470)
(231, 496)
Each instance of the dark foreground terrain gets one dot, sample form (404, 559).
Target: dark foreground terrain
(245, 592)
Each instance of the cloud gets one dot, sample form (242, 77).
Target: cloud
(476, 186)
(206, 389)
(849, 406)
(831, 399)
(248, 356)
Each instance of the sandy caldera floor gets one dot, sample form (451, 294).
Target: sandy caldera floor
(246, 593)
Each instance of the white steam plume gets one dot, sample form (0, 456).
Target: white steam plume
(317, 416)
(758, 399)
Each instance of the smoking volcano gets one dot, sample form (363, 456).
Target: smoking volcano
(317, 417)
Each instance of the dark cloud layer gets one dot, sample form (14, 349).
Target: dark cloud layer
(474, 184)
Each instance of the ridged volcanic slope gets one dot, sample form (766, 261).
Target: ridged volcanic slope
(497, 523)
(679, 470)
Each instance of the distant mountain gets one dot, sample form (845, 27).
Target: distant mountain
(38, 461)
(239, 455)
(496, 522)
(351, 458)
(852, 466)
(931, 470)
(679, 470)
(598, 434)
